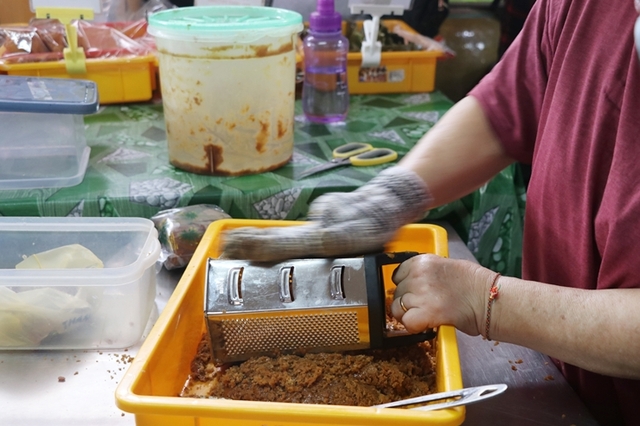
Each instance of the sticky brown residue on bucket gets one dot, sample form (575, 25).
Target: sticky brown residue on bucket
(231, 51)
(222, 172)
(214, 157)
(282, 129)
(263, 137)
(220, 48)
(264, 50)
(261, 51)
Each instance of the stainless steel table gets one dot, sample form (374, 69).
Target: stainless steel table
(32, 391)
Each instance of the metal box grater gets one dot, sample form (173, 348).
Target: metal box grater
(298, 306)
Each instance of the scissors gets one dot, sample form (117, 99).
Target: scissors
(354, 154)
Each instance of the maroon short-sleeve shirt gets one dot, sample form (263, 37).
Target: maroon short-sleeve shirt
(566, 99)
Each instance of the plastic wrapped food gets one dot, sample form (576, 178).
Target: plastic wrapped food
(181, 229)
(45, 39)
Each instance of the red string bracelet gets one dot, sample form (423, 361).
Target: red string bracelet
(493, 295)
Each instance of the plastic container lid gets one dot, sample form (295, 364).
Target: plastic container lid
(47, 95)
(240, 24)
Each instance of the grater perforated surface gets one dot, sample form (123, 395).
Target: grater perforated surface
(290, 332)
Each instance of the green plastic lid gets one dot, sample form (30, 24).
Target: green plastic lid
(217, 23)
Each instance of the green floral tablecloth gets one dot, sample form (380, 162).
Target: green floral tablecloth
(129, 175)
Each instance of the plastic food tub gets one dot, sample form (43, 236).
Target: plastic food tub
(227, 75)
(150, 387)
(80, 308)
(43, 143)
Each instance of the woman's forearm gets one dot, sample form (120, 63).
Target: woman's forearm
(598, 330)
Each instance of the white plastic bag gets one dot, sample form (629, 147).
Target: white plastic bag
(30, 316)
(66, 257)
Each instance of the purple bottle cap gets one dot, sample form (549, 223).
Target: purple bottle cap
(325, 19)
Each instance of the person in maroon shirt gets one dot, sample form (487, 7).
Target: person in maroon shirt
(565, 98)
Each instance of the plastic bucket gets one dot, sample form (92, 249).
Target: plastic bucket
(228, 86)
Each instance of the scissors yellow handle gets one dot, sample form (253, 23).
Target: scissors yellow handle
(355, 154)
(351, 149)
(374, 157)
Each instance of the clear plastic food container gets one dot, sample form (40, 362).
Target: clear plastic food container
(75, 283)
(43, 142)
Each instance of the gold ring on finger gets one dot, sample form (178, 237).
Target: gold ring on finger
(404, 308)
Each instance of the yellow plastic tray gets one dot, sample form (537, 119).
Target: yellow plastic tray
(119, 79)
(401, 72)
(159, 371)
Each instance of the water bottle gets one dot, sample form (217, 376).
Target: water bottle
(325, 93)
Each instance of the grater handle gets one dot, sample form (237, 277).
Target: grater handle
(234, 286)
(393, 258)
(376, 302)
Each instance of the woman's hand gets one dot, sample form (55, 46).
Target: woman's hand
(438, 291)
(347, 223)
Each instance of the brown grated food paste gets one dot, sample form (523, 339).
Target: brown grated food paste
(359, 378)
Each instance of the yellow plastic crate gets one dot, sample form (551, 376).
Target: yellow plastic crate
(398, 72)
(159, 371)
(119, 79)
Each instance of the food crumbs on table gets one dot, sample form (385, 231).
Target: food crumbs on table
(122, 415)
(514, 368)
(496, 343)
(510, 362)
(549, 377)
(75, 374)
(61, 379)
(519, 361)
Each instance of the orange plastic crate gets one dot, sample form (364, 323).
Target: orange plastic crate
(398, 72)
(119, 79)
(159, 371)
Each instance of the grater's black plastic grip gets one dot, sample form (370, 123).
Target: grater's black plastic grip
(376, 301)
